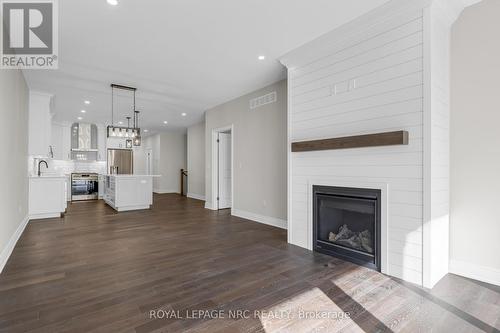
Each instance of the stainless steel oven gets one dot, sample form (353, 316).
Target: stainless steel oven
(84, 186)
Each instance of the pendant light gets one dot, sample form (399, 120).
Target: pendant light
(118, 131)
(127, 134)
(137, 137)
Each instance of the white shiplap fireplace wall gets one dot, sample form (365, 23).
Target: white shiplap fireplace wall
(387, 70)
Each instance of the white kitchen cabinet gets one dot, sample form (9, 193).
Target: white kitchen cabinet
(116, 143)
(101, 185)
(56, 141)
(61, 140)
(47, 196)
(128, 192)
(68, 188)
(101, 143)
(39, 136)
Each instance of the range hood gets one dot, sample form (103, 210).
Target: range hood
(84, 137)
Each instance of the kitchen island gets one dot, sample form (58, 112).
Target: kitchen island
(128, 192)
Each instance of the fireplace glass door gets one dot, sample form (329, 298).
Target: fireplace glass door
(347, 223)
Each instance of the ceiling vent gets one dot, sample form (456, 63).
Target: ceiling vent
(263, 100)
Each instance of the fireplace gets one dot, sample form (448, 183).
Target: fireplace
(346, 224)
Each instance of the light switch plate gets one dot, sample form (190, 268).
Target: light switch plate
(341, 87)
(352, 84)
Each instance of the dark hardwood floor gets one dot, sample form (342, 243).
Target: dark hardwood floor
(96, 270)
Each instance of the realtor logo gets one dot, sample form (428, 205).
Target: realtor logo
(29, 34)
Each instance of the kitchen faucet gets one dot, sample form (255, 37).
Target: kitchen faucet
(40, 162)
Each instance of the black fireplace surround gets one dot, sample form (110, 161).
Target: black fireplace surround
(346, 223)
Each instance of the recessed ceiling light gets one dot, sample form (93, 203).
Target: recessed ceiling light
(87, 102)
(79, 118)
(184, 114)
(113, 2)
(83, 111)
(165, 122)
(262, 57)
(120, 123)
(145, 131)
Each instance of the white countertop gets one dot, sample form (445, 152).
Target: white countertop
(131, 176)
(51, 175)
(47, 176)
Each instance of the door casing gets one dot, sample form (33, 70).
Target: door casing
(224, 170)
(214, 167)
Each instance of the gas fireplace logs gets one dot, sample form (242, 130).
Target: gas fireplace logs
(357, 240)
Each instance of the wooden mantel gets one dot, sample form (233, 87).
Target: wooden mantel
(357, 141)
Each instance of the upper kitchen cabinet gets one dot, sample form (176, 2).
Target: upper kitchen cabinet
(61, 141)
(40, 106)
(101, 142)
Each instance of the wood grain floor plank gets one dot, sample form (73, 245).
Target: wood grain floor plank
(96, 270)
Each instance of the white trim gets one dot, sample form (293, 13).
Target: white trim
(196, 196)
(427, 153)
(384, 214)
(476, 272)
(41, 93)
(129, 208)
(468, 3)
(272, 221)
(165, 191)
(289, 155)
(437, 21)
(453, 8)
(214, 161)
(7, 251)
(44, 216)
(209, 205)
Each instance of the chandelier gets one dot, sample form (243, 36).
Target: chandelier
(131, 133)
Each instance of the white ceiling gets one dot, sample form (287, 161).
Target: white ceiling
(182, 55)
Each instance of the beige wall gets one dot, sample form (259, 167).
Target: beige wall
(14, 152)
(260, 160)
(171, 158)
(475, 141)
(148, 142)
(153, 143)
(196, 161)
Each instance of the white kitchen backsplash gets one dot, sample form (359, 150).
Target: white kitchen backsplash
(76, 166)
(67, 167)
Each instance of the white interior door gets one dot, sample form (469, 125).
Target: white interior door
(224, 171)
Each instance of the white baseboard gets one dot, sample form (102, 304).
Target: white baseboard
(130, 208)
(476, 272)
(44, 216)
(7, 251)
(209, 205)
(273, 221)
(164, 191)
(196, 196)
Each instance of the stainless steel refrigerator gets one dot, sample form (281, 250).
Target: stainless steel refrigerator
(121, 161)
